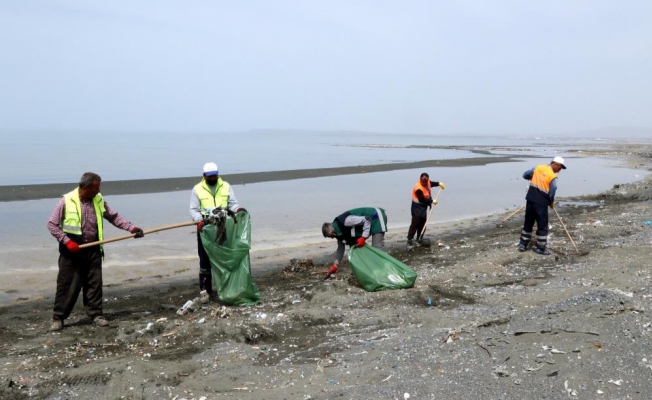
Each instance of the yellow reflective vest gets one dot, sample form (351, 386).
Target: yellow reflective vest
(207, 200)
(72, 218)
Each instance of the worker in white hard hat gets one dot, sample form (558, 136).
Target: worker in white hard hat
(540, 196)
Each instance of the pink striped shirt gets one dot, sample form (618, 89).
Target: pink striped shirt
(89, 221)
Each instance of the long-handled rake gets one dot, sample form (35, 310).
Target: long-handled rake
(129, 236)
(423, 231)
(582, 253)
(510, 216)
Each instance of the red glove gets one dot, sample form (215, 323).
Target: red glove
(200, 225)
(139, 232)
(360, 242)
(72, 246)
(331, 271)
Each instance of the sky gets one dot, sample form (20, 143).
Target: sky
(437, 67)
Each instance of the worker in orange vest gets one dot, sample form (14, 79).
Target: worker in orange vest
(540, 196)
(421, 201)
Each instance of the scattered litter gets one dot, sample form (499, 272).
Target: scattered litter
(162, 319)
(599, 391)
(406, 396)
(570, 391)
(386, 379)
(188, 307)
(501, 371)
(648, 223)
(222, 312)
(201, 321)
(617, 383)
(555, 351)
(147, 329)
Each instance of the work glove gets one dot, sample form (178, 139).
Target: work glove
(241, 209)
(72, 246)
(552, 205)
(360, 242)
(139, 232)
(331, 271)
(442, 185)
(200, 225)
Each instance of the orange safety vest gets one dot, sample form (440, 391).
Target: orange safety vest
(541, 178)
(425, 190)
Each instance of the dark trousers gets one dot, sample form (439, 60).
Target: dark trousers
(535, 213)
(205, 274)
(79, 271)
(416, 227)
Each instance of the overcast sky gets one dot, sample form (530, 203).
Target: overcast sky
(429, 66)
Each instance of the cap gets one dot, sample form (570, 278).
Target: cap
(560, 161)
(210, 169)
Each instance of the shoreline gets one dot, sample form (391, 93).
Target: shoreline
(11, 193)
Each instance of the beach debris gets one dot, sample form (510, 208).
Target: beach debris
(297, 265)
(148, 328)
(617, 383)
(188, 307)
(501, 371)
(484, 348)
(406, 395)
(221, 312)
(570, 391)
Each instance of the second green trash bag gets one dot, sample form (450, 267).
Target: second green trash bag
(230, 261)
(377, 270)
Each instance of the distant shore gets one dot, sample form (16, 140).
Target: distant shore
(141, 186)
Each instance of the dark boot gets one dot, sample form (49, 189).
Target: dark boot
(206, 283)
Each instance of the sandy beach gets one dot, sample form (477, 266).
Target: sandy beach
(483, 320)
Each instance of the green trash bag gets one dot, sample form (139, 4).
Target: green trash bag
(230, 261)
(377, 270)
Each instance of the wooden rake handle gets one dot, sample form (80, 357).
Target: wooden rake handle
(512, 214)
(569, 236)
(423, 231)
(129, 236)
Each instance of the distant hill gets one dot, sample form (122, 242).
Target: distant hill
(622, 132)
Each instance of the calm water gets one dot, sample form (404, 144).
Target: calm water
(37, 157)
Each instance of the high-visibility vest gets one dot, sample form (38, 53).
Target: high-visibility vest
(539, 191)
(350, 233)
(425, 190)
(541, 178)
(72, 218)
(208, 201)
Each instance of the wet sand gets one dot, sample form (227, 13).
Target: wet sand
(54, 190)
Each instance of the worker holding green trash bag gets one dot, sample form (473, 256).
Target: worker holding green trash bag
(353, 228)
(223, 241)
(374, 269)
